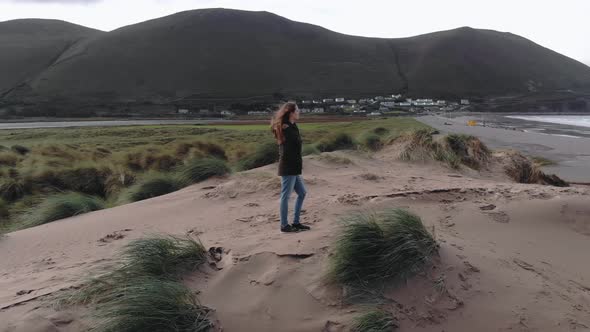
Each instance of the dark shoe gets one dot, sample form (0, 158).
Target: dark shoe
(301, 227)
(289, 229)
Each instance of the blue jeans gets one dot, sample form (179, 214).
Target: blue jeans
(288, 183)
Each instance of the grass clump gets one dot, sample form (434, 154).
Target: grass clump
(153, 185)
(524, 170)
(142, 290)
(309, 149)
(371, 142)
(338, 141)
(163, 256)
(375, 248)
(266, 154)
(374, 321)
(4, 212)
(542, 161)
(151, 304)
(454, 150)
(201, 169)
(381, 131)
(8, 159)
(61, 206)
(335, 159)
(22, 150)
(12, 189)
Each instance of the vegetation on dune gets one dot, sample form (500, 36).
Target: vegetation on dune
(115, 163)
(152, 185)
(374, 321)
(151, 304)
(266, 154)
(454, 150)
(9, 159)
(22, 150)
(4, 212)
(524, 170)
(335, 159)
(201, 169)
(142, 290)
(542, 161)
(309, 149)
(375, 248)
(381, 131)
(61, 206)
(371, 142)
(337, 141)
(12, 189)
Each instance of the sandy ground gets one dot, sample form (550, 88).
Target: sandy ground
(513, 257)
(572, 153)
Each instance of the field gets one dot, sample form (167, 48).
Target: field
(109, 166)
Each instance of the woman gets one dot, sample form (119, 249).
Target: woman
(285, 130)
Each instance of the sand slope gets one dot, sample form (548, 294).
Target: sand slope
(513, 257)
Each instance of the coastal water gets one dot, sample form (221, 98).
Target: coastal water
(570, 120)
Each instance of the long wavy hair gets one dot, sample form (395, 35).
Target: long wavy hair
(279, 118)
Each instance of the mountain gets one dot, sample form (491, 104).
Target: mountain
(28, 47)
(220, 53)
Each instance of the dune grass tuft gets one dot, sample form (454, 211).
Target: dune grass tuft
(334, 159)
(524, 170)
(151, 304)
(163, 256)
(374, 321)
(266, 154)
(371, 142)
(61, 206)
(309, 149)
(454, 150)
(337, 141)
(142, 290)
(4, 212)
(12, 189)
(152, 185)
(201, 169)
(374, 248)
(22, 150)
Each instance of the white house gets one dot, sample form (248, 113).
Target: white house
(304, 110)
(307, 102)
(405, 104)
(374, 114)
(317, 102)
(328, 100)
(227, 113)
(318, 110)
(339, 100)
(388, 103)
(441, 102)
(464, 101)
(183, 111)
(351, 101)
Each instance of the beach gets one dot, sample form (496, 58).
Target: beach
(566, 145)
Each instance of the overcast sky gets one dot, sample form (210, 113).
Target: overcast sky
(560, 25)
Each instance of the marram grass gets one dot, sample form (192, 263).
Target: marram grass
(374, 321)
(375, 248)
(143, 290)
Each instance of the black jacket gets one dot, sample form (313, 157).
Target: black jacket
(290, 161)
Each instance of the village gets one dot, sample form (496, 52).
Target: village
(376, 106)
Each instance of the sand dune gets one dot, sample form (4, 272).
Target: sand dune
(512, 258)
